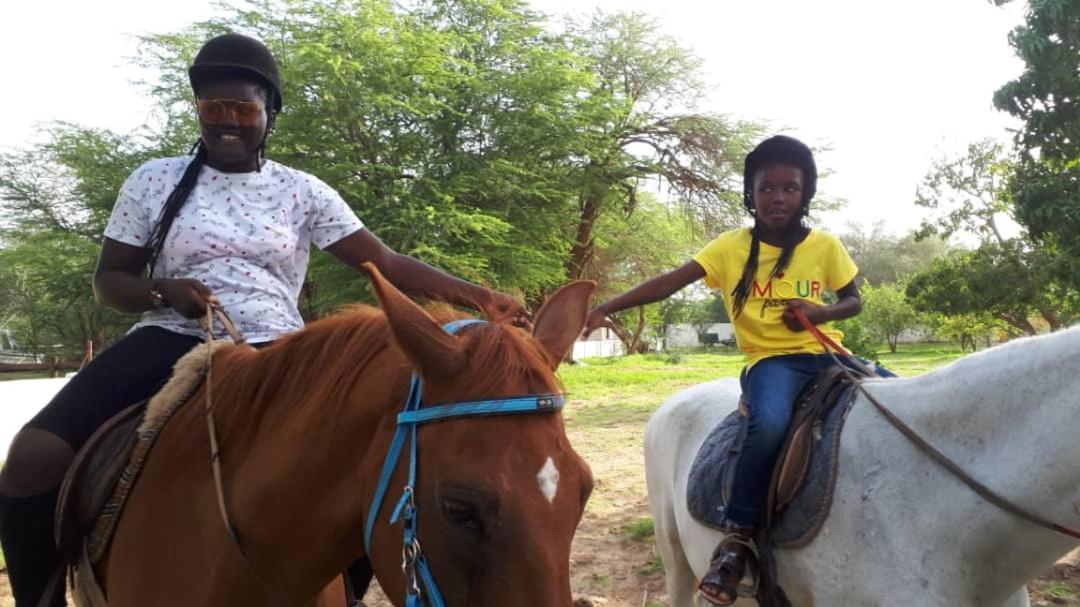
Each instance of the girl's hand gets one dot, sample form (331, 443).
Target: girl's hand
(187, 296)
(814, 313)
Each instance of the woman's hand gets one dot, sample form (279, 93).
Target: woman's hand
(504, 308)
(597, 318)
(814, 313)
(187, 296)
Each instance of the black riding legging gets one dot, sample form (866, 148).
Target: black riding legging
(129, 371)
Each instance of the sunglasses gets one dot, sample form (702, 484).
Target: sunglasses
(216, 111)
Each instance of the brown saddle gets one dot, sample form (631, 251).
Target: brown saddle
(804, 434)
(812, 407)
(103, 474)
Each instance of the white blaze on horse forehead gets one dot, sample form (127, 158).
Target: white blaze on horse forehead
(548, 478)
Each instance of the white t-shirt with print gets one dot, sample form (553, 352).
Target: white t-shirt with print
(246, 236)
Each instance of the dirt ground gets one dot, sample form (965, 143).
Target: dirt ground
(611, 569)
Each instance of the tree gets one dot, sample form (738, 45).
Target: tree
(632, 248)
(970, 195)
(967, 329)
(56, 198)
(644, 127)
(1046, 97)
(967, 193)
(1009, 282)
(886, 258)
(706, 312)
(887, 313)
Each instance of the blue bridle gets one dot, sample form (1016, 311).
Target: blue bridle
(414, 564)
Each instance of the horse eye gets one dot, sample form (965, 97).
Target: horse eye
(461, 513)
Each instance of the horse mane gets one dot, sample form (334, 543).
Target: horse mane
(326, 361)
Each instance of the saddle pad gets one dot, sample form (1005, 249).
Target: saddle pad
(711, 474)
(97, 540)
(709, 484)
(90, 479)
(104, 472)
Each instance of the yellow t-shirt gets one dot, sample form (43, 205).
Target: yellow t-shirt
(819, 262)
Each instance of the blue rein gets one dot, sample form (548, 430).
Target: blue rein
(414, 564)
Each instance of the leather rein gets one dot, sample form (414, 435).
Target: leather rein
(414, 564)
(832, 349)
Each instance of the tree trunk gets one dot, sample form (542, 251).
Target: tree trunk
(892, 339)
(1020, 323)
(1051, 318)
(620, 332)
(636, 346)
(582, 251)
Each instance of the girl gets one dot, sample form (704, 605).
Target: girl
(767, 272)
(226, 226)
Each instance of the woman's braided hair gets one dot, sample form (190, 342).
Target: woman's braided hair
(233, 57)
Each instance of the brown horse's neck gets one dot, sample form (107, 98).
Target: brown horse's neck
(307, 453)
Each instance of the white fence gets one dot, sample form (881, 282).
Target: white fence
(600, 348)
(685, 336)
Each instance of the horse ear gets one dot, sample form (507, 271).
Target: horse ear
(561, 319)
(432, 350)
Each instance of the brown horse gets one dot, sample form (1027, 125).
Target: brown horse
(304, 426)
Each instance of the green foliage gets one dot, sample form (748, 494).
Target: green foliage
(885, 258)
(642, 125)
(1013, 279)
(858, 339)
(1009, 282)
(1046, 198)
(462, 132)
(967, 193)
(631, 248)
(56, 198)
(1046, 97)
(887, 313)
(968, 329)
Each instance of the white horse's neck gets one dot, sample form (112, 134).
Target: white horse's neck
(1010, 417)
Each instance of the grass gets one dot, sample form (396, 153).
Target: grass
(610, 401)
(1060, 590)
(640, 530)
(609, 391)
(23, 375)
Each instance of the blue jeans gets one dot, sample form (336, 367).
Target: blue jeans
(771, 387)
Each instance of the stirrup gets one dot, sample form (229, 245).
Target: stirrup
(750, 566)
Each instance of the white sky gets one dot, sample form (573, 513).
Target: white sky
(888, 86)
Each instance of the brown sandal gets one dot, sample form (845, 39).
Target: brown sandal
(722, 583)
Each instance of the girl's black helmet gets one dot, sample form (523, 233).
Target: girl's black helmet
(781, 149)
(236, 54)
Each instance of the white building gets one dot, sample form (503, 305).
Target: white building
(685, 336)
(601, 343)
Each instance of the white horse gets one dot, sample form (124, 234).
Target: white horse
(902, 529)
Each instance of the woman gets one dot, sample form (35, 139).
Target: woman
(226, 227)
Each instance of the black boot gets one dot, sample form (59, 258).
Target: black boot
(26, 532)
(357, 579)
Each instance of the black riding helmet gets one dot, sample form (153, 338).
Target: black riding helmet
(781, 149)
(236, 54)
